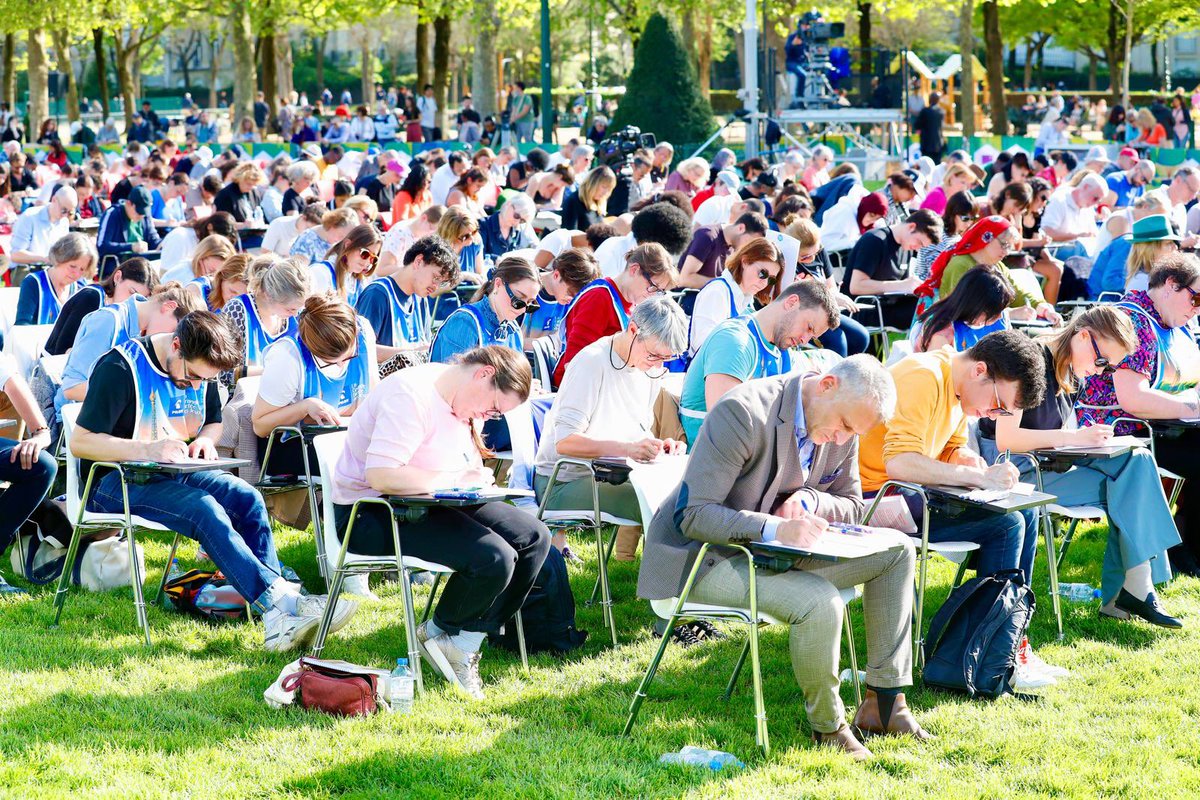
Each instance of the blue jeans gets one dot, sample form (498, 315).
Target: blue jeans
(26, 489)
(849, 338)
(222, 512)
(524, 129)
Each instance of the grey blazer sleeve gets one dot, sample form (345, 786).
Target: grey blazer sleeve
(728, 441)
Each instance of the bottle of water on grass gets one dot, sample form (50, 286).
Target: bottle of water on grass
(400, 687)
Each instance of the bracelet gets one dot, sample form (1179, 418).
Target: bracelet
(36, 431)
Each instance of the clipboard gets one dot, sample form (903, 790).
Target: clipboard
(185, 467)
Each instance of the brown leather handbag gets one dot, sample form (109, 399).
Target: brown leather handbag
(335, 687)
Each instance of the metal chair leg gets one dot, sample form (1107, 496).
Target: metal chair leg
(64, 580)
(737, 668)
(1052, 562)
(760, 708)
(167, 569)
(1070, 537)
(648, 678)
(918, 612)
(853, 656)
(521, 641)
(605, 590)
(612, 541)
(335, 591)
(962, 570)
(135, 578)
(437, 581)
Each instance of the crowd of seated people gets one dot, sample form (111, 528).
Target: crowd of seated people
(449, 289)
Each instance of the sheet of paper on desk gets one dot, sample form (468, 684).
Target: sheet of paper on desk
(1116, 441)
(500, 491)
(992, 495)
(654, 481)
(839, 545)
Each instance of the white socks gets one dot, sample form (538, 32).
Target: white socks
(467, 641)
(1137, 580)
(284, 595)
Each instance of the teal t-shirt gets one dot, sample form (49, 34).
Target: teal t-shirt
(731, 350)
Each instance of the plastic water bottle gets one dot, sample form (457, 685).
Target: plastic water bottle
(258, 217)
(1078, 592)
(173, 572)
(400, 687)
(716, 760)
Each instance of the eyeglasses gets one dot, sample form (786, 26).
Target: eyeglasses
(190, 378)
(654, 287)
(999, 410)
(494, 412)
(520, 303)
(1195, 296)
(1102, 363)
(765, 275)
(656, 358)
(808, 258)
(518, 219)
(368, 256)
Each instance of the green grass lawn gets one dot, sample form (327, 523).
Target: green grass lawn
(87, 710)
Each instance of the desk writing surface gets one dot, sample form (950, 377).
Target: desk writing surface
(187, 465)
(1013, 501)
(834, 545)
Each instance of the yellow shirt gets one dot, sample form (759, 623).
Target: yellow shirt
(928, 419)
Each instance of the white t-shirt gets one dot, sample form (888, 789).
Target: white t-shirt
(280, 235)
(557, 241)
(428, 108)
(611, 254)
(712, 308)
(599, 401)
(441, 183)
(179, 272)
(714, 211)
(282, 381)
(1063, 214)
(177, 248)
(8, 368)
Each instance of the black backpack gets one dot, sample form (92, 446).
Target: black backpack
(975, 635)
(548, 613)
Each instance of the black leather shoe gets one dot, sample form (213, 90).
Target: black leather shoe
(8, 588)
(1149, 609)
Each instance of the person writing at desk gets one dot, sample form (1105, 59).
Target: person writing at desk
(126, 228)
(155, 399)
(397, 305)
(1127, 487)
(605, 407)
(926, 443)
(415, 434)
(776, 460)
(754, 345)
(875, 267)
(1157, 381)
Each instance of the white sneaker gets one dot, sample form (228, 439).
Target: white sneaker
(458, 667)
(359, 586)
(314, 605)
(283, 631)
(1024, 678)
(1036, 664)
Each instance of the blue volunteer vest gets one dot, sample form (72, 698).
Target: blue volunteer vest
(1178, 357)
(341, 393)
(49, 306)
(965, 336)
(682, 363)
(506, 334)
(353, 290)
(412, 323)
(768, 363)
(599, 283)
(164, 411)
(255, 335)
(205, 284)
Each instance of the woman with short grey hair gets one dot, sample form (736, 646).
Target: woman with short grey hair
(605, 407)
(43, 292)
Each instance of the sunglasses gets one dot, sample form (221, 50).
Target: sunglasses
(1102, 363)
(999, 410)
(466, 237)
(368, 256)
(1195, 296)
(968, 218)
(764, 275)
(520, 303)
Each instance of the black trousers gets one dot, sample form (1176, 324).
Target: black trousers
(287, 457)
(496, 551)
(1178, 454)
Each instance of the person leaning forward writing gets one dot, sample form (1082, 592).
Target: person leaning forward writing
(777, 460)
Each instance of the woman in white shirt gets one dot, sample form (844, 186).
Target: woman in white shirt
(605, 407)
(179, 245)
(348, 266)
(207, 258)
(752, 272)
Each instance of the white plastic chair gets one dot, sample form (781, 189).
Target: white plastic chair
(328, 449)
(84, 520)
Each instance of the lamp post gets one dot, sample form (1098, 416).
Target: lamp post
(547, 91)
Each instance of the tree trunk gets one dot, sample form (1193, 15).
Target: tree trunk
(441, 66)
(424, 73)
(1126, 52)
(994, 45)
(1155, 75)
(966, 46)
(687, 32)
(318, 43)
(864, 38)
(270, 63)
(101, 69)
(214, 67)
(484, 91)
(1093, 68)
(245, 72)
(8, 86)
(704, 54)
(125, 83)
(367, 57)
(284, 66)
(185, 56)
(1028, 62)
(66, 65)
(39, 83)
(1041, 64)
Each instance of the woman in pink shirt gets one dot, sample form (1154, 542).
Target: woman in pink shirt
(417, 433)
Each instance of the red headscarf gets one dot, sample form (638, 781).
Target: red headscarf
(976, 238)
(873, 203)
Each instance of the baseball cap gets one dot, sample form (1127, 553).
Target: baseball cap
(1129, 152)
(1097, 153)
(396, 167)
(139, 198)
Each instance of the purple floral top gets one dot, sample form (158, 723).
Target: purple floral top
(1097, 401)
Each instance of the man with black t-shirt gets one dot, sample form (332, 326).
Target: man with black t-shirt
(382, 187)
(155, 399)
(875, 267)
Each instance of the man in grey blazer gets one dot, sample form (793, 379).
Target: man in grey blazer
(777, 459)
